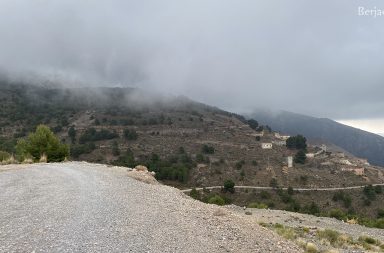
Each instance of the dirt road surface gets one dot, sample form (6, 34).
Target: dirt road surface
(82, 207)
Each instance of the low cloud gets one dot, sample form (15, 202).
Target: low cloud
(321, 58)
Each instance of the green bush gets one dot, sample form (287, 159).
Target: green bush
(300, 157)
(380, 213)
(257, 205)
(4, 156)
(338, 214)
(273, 183)
(72, 134)
(194, 194)
(92, 134)
(367, 239)
(312, 209)
(217, 200)
(378, 189)
(340, 195)
(369, 192)
(130, 134)
(229, 185)
(297, 142)
(265, 195)
(331, 235)
(290, 190)
(239, 164)
(207, 149)
(175, 167)
(42, 142)
(126, 160)
(253, 123)
(77, 150)
(115, 148)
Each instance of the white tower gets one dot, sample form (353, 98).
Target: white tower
(290, 161)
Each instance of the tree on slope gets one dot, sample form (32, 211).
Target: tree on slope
(43, 142)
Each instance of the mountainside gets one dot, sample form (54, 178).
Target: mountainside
(358, 142)
(184, 142)
(187, 144)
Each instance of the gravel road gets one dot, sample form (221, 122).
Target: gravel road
(82, 207)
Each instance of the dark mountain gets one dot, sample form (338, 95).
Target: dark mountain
(358, 142)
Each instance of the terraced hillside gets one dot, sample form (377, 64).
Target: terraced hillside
(187, 144)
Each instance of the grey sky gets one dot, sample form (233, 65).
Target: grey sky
(314, 57)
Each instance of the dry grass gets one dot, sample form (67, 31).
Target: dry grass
(43, 158)
(311, 248)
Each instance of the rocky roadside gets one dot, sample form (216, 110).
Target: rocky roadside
(302, 228)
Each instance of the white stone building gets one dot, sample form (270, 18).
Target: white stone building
(266, 145)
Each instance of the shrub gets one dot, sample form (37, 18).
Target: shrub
(217, 200)
(77, 150)
(207, 149)
(347, 200)
(273, 183)
(194, 194)
(296, 142)
(300, 157)
(130, 134)
(378, 189)
(176, 167)
(290, 190)
(199, 158)
(4, 156)
(286, 232)
(380, 213)
(229, 185)
(92, 135)
(239, 164)
(366, 202)
(43, 141)
(311, 248)
(330, 235)
(265, 195)
(72, 134)
(337, 213)
(115, 148)
(369, 192)
(312, 209)
(127, 160)
(257, 205)
(285, 197)
(379, 223)
(367, 239)
(253, 123)
(304, 179)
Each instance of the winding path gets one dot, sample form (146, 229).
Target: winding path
(284, 188)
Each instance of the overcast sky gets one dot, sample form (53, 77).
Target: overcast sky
(313, 57)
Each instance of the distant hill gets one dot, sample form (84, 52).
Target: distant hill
(186, 143)
(358, 142)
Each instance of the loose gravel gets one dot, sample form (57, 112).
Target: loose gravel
(292, 219)
(82, 207)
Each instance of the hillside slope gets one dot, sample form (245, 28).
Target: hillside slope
(184, 142)
(358, 142)
(81, 207)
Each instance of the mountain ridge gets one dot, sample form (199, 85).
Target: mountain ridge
(358, 142)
